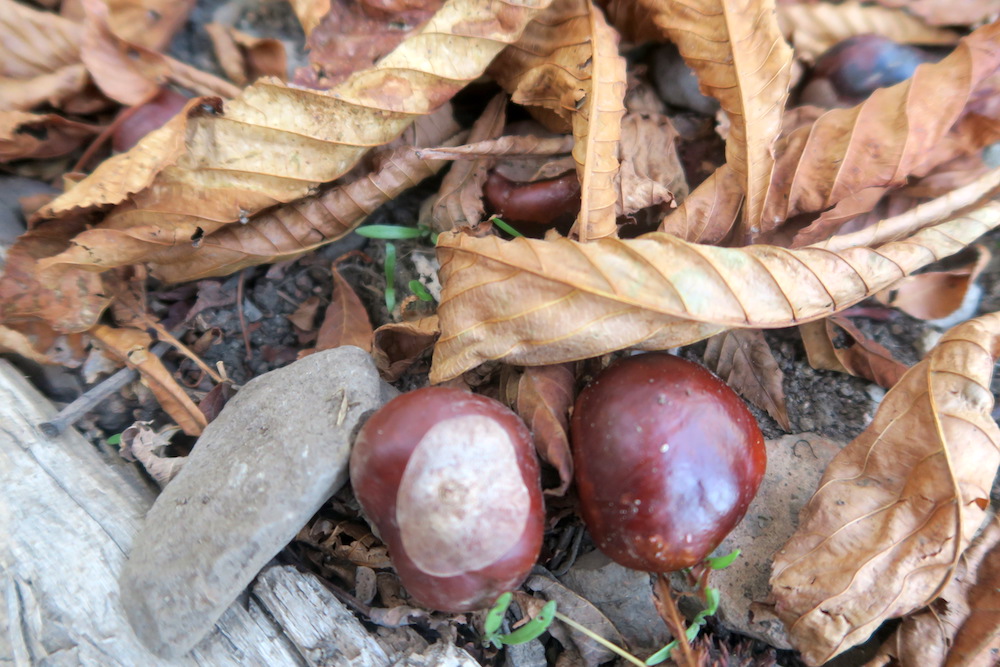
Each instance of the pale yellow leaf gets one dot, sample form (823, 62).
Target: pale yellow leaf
(736, 49)
(538, 302)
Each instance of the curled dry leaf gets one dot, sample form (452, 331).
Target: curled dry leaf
(886, 529)
(945, 12)
(351, 35)
(567, 63)
(926, 637)
(274, 143)
(290, 231)
(736, 49)
(397, 345)
(936, 294)
(709, 213)
(814, 28)
(882, 141)
(510, 145)
(459, 201)
(744, 360)
(651, 173)
(346, 320)
(40, 61)
(544, 397)
(131, 346)
(945, 110)
(978, 640)
(150, 23)
(862, 357)
(141, 443)
(533, 302)
(38, 136)
(245, 58)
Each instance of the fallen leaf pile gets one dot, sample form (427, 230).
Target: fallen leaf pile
(671, 227)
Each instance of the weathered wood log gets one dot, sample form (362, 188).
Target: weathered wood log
(67, 518)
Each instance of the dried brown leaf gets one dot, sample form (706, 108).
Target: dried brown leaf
(736, 49)
(346, 320)
(709, 213)
(38, 136)
(567, 63)
(292, 230)
(544, 397)
(597, 130)
(510, 145)
(889, 137)
(141, 443)
(274, 143)
(744, 360)
(459, 201)
(150, 23)
(896, 508)
(651, 173)
(926, 637)
(397, 345)
(40, 61)
(977, 643)
(310, 13)
(131, 346)
(936, 294)
(814, 28)
(131, 73)
(351, 36)
(245, 58)
(946, 12)
(534, 302)
(304, 317)
(862, 357)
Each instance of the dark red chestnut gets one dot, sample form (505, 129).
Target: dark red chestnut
(451, 481)
(853, 69)
(667, 461)
(534, 207)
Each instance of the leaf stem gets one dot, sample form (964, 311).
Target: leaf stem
(617, 650)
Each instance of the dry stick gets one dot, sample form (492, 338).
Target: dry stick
(676, 623)
(93, 397)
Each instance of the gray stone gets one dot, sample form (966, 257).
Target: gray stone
(677, 84)
(275, 454)
(625, 596)
(795, 464)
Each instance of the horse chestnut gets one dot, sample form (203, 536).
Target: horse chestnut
(451, 481)
(667, 461)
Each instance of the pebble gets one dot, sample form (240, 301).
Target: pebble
(677, 83)
(275, 454)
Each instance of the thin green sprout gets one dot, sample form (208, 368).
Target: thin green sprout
(390, 276)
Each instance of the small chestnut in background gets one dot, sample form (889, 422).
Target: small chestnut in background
(850, 71)
(667, 461)
(450, 480)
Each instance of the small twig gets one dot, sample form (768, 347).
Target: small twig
(617, 650)
(676, 623)
(93, 397)
(239, 312)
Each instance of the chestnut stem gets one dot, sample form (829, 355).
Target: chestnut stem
(676, 624)
(617, 650)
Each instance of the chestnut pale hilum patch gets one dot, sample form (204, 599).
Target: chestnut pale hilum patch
(443, 533)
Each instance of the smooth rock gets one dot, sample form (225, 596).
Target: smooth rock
(625, 596)
(275, 454)
(677, 83)
(795, 464)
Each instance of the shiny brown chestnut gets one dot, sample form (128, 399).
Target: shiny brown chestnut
(667, 461)
(451, 482)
